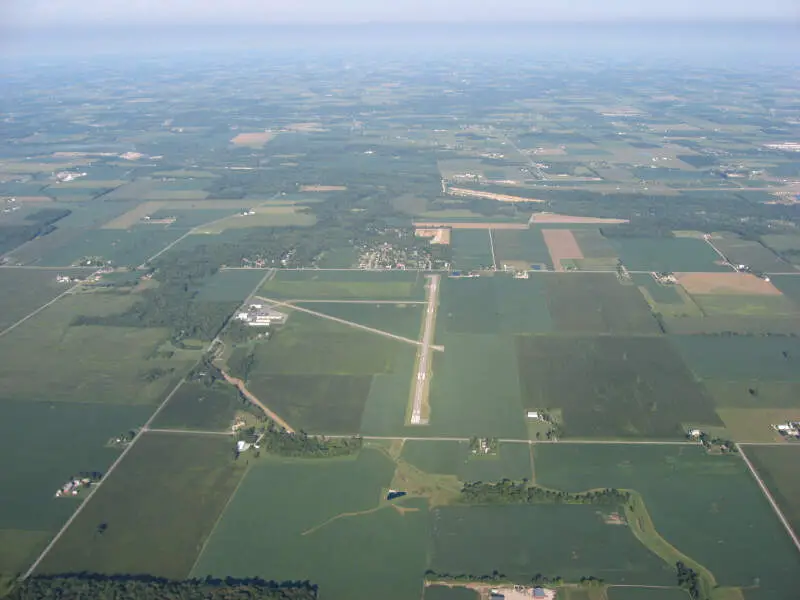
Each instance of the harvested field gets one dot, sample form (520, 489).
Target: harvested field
(612, 387)
(159, 507)
(438, 236)
(726, 283)
(754, 425)
(454, 191)
(562, 245)
(569, 219)
(135, 216)
(33, 199)
(253, 140)
(469, 225)
(323, 188)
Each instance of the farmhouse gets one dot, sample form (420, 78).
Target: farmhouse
(789, 429)
(532, 414)
(257, 315)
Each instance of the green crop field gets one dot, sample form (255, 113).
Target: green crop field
(789, 285)
(325, 521)
(594, 244)
(667, 254)
(230, 285)
(24, 290)
(329, 404)
(385, 409)
(175, 485)
(787, 245)
(750, 253)
(345, 285)
(47, 359)
(626, 593)
(707, 506)
(441, 457)
(401, 319)
(489, 305)
(597, 303)
(572, 541)
(196, 406)
(746, 305)
(525, 245)
(779, 467)
(439, 592)
(471, 249)
(614, 387)
(741, 357)
(475, 388)
(513, 461)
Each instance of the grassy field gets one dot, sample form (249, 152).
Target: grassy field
(667, 254)
(708, 507)
(513, 461)
(475, 389)
(401, 319)
(593, 244)
(325, 521)
(47, 359)
(750, 253)
(385, 409)
(345, 285)
(789, 285)
(158, 507)
(195, 406)
(439, 592)
(741, 357)
(490, 305)
(624, 593)
(597, 303)
(24, 290)
(520, 245)
(779, 467)
(746, 306)
(784, 243)
(471, 249)
(612, 387)
(265, 216)
(572, 541)
(230, 286)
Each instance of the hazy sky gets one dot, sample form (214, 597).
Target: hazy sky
(116, 13)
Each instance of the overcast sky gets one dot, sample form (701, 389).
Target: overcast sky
(116, 13)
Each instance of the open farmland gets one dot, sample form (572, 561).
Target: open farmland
(24, 290)
(562, 247)
(520, 248)
(779, 467)
(753, 254)
(667, 254)
(741, 357)
(597, 303)
(263, 216)
(344, 285)
(49, 359)
(231, 285)
(401, 319)
(471, 249)
(176, 485)
(77, 435)
(572, 541)
(612, 387)
(200, 407)
(698, 502)
(326, 522)
(158, 210)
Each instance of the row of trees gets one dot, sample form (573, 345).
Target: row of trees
(497, 577)
(276, 440)
(507, 491)
(689, 580)
(143, 587)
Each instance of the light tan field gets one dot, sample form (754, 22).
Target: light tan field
(440, 235)
(561, 244)
(549, 151)
(466, 225)
(265, 216)
(135, 216)
(454, 191)
(745, 284)
(306, 127)
(320, 188)
(569, 219)
(253, 140)
(754, 424)
(33, 199)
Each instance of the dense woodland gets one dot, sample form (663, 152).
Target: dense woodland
(83, 586)
(278, 441)
(522, 492)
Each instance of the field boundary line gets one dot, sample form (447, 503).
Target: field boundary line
(219, 518)
(775, 507)
(12, 327)
(318, 301)
(189, 431)
(393, 336)
(491, 245)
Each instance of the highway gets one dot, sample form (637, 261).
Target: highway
(424, 362)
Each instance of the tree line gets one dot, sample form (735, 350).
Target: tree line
(79, 586)
(507, 491)
(276, 440)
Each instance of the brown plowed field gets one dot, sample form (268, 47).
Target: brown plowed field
(554, 218)
(745, 284)
(454, 191)
(253, 140)
(439, 236)
(561, 244)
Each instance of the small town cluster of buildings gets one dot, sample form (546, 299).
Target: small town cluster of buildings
(65, 176)
(258, 315)
(93, 278)
(74, 486)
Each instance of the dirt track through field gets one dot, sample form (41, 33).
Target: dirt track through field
(561, 244)
(239, 384)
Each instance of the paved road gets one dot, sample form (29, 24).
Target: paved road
(491, 245)
(424, 363)
(318, 301)
(348, 323)
(771, 500)
(10, 328)
(521, 441)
